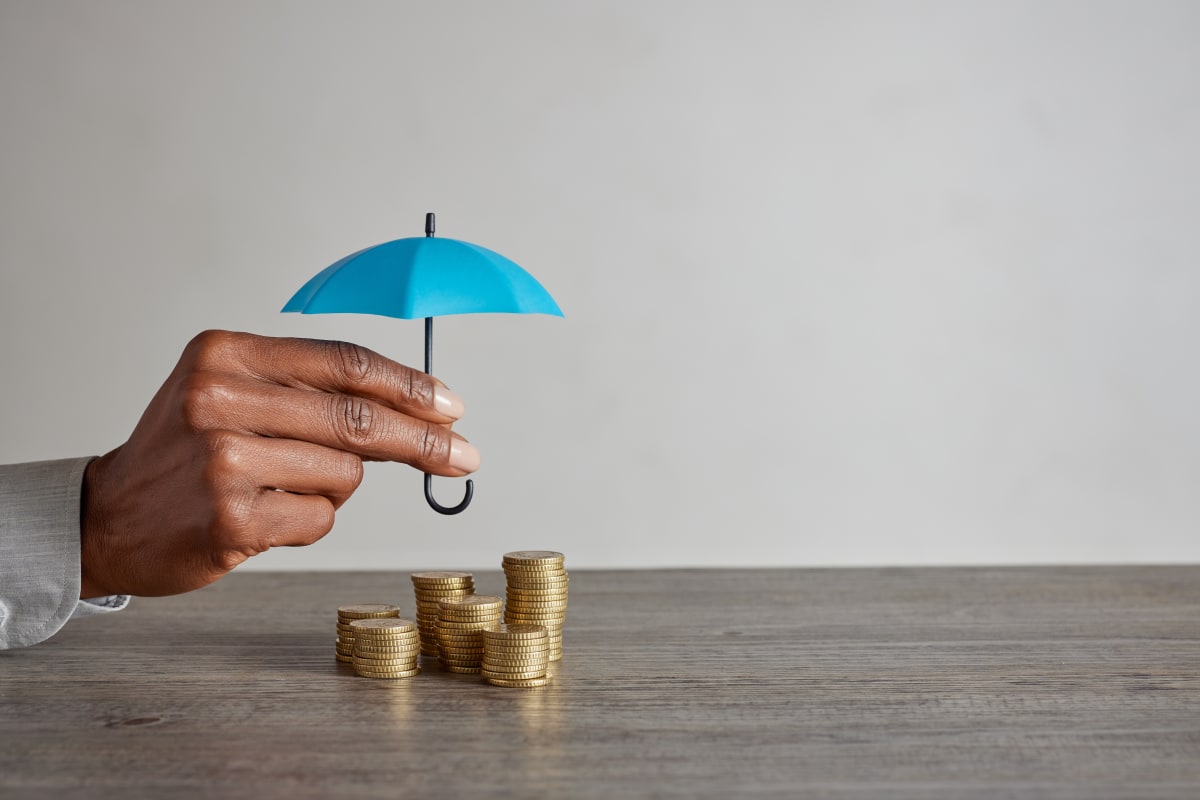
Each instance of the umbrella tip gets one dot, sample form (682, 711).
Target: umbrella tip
(430, 224)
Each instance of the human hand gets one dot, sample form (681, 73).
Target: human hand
(252, 443)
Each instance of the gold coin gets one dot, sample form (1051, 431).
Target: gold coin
(512, 674)
(381, 626)
(387, 674)
(454, 616)
(506, 632)
(514, 593)
(516, 655)
(549, 585)
(542, 580)
(512, 669)
(384, 652)
(461, 659)
(344, 659)
(552, 624)
(522, 683)
(460, 670)
(368, 611)
(442, 575)
(388, 643)
(533, 557)
(453, 625)
(508, 655)
(386, 634)
(537, 607)
(518, 643)
(480, 622)
(472, 601)
(533, 647)
(379, 666)
(532, 569)
(387, 647)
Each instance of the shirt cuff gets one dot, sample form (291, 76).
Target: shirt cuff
(39, 548)
(100, 605)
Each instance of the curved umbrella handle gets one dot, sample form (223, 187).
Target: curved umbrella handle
(441, 509)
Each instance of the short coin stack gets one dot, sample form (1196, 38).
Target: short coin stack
(431, 588)
(460, 627)
(347, 614)
(516, 655)
(537, 593)
(386, 648)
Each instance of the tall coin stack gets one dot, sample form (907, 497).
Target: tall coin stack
(347, 615)
(516, 655)
(460, 627)
(431, 588)
(385, 648)
(537, 593)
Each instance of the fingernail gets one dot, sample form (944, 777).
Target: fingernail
(447, 402)
(463, 455)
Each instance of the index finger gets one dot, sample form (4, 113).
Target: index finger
(331, 366)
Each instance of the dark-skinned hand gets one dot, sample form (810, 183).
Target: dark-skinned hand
(252, 443)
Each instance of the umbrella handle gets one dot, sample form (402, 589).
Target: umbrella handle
(470, 493)
(441, 509)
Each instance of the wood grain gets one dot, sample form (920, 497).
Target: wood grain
(1070, 682)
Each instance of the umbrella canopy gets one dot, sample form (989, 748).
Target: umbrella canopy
(424, 277)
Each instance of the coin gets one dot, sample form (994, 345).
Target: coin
(371, 646)
(442, 575)
(533, 557)
(521, 683)
(387, 674)
(472, 601)
(511, 676)
(556, 584)
(378, 627)
(505, 632)
(460, 670)
(368, 611)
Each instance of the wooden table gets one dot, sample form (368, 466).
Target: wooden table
(923, 683)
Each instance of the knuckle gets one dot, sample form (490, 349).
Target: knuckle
(224, 457)
(352, 419)
(416, 386)
(209, 347)
(232, 519)
(202, 394)
(352, 362)
(433, 444)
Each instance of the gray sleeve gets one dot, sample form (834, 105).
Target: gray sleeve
(39, 548)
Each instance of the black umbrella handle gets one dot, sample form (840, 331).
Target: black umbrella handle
(470, 493)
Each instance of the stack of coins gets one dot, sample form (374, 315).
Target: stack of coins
(431, 588)
(460, 627)
(516, 655)
(385, 648)
(347, 615)
(537, 593)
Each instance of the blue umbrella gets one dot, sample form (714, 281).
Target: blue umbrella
(424, 277)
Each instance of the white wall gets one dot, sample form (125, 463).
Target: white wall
(845, 282)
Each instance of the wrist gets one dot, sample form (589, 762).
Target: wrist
(92, 579)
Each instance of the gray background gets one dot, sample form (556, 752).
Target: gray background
(845, 282)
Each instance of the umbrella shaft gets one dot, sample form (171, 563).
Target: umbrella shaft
(429, 345)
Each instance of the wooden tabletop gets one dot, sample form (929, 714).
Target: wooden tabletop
(922, 683)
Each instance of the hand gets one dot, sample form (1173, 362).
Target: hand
(253, 443)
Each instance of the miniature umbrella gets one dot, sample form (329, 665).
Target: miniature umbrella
(424, 277)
